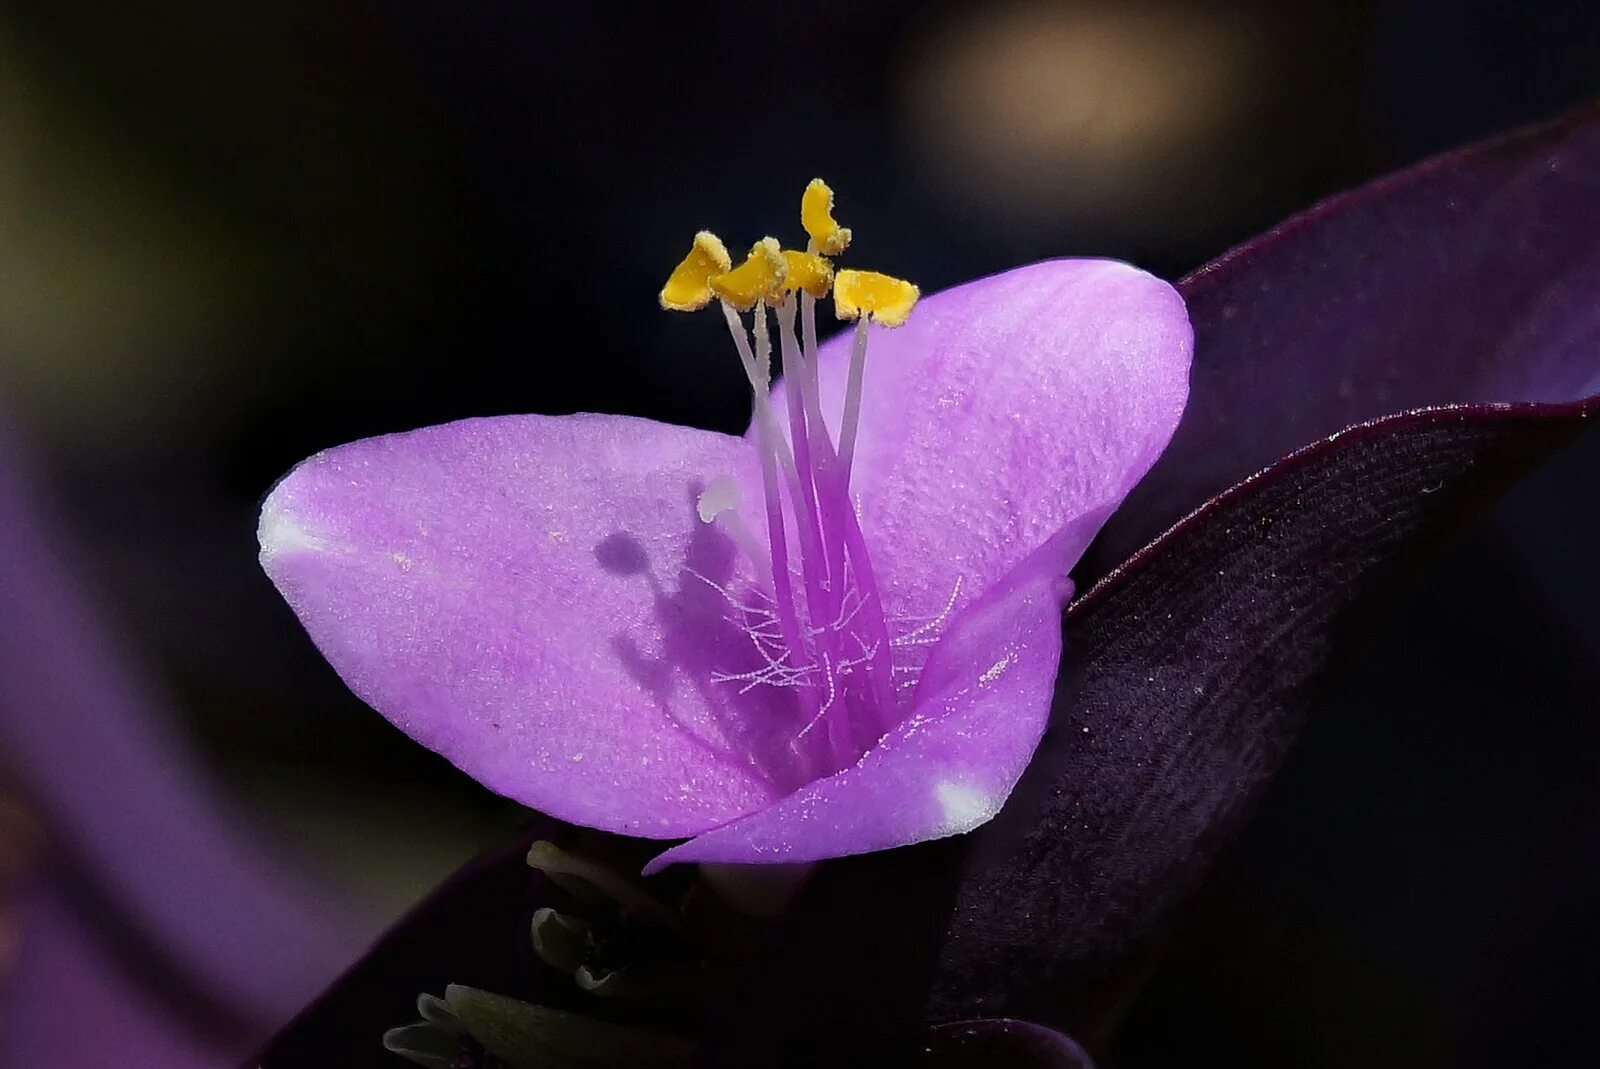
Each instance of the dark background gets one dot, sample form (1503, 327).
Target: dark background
(233, 235)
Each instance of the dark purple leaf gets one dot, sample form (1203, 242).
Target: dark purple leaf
(1468, 280)
(1000, 1044)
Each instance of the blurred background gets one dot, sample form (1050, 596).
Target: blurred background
(232, 235)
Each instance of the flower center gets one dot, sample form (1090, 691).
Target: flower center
(819, 627)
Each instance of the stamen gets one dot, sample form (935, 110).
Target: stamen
(823, 586)
(808, 272)
(853, 604)
(800, 434)
(688, 289)
(856, 547)
(822, 711)
(759, 278)
(770, 647)
(758, 325)
(886, 299)
(852, 398)
(861, 295)
(807, 376)
(840, 519)
(760, 386)
(771, 442)
(840, 527)
(816, 215)
(834, 647)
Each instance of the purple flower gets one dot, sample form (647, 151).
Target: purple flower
(1366, 374)
(831, 637)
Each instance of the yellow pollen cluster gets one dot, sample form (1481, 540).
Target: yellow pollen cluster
(885, 299)
(816, 215)
(759, 278)
(771, 273)
(809, 272)
(689, 288)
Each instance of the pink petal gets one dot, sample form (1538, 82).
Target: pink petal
(519, 594)
(1004, 410)
(979, 710)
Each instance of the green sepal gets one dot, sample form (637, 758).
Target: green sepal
(424, 1043)
(434, 1010)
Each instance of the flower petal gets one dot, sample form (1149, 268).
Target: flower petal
(532, 597)
(975, 719)
(1002, 411)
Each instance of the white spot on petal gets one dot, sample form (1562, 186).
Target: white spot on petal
(964, 807)
(280, 533)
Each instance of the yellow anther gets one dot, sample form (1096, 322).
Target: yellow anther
(809, 272)
(760, 278)
(689, 288)
(887, 300)
(816, 215)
